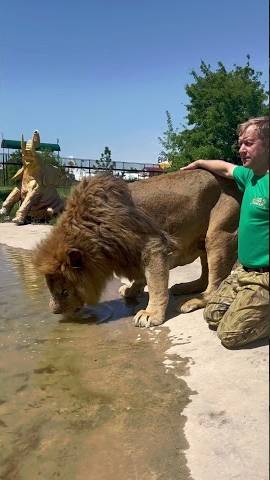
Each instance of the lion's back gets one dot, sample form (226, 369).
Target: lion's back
(184, 198)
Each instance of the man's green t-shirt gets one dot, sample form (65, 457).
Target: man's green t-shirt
(253, 233)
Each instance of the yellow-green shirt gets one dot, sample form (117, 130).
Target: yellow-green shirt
(253, 233)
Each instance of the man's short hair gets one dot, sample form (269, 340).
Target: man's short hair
(262, 125)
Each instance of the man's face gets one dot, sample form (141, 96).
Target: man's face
(252, 149)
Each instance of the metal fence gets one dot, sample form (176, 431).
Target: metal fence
(77, 168)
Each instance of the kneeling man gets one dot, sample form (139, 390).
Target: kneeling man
(239, 309)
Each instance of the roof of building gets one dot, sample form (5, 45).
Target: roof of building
(16, 145)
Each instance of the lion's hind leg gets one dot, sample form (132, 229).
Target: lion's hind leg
(195, 286)
(221, 254)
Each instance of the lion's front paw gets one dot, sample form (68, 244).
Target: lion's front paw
(145, 318)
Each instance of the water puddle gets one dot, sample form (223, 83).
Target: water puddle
(83, 400)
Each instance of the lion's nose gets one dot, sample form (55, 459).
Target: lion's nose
(54, 307)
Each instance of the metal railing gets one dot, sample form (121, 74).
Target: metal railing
(77, 168)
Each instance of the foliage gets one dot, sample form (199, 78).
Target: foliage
(169, 143)
(49, 157)
(66, 177)
(12, 166)
(4, 192)
(218, 102)
(105, 162)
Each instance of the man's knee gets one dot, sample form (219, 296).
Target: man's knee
(231, 340)
(240, 338)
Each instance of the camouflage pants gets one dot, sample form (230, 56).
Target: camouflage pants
(239, 309)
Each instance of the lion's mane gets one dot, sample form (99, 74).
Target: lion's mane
(102, 221)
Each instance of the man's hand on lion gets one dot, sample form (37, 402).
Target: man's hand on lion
(192, 166)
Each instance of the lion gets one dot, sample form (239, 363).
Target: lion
(140, 231)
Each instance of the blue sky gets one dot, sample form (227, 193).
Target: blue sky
(99, 72)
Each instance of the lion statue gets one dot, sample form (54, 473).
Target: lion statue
(37, 194)
(140, 231)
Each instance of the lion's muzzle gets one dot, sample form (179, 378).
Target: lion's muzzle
(55, 307)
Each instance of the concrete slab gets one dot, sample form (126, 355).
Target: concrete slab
(24, 236)
(227, 419)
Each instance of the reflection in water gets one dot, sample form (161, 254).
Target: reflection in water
(21, 262)
(83, 401)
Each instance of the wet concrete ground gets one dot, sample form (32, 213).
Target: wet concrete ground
(85, 400)
(227, 422)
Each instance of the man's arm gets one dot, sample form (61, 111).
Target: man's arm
(224, 169)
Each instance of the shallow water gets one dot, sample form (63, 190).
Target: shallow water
(85, 400)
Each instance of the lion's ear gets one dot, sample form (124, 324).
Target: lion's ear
(75, 258)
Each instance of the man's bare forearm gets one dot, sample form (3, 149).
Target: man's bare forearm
(220, 167)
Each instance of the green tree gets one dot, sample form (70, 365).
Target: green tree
(13, 164)
(218, 102)
(66, 177)
(49, 157)
(105, 162)
(169, 142)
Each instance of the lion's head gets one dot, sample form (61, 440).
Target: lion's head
(71, 277)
